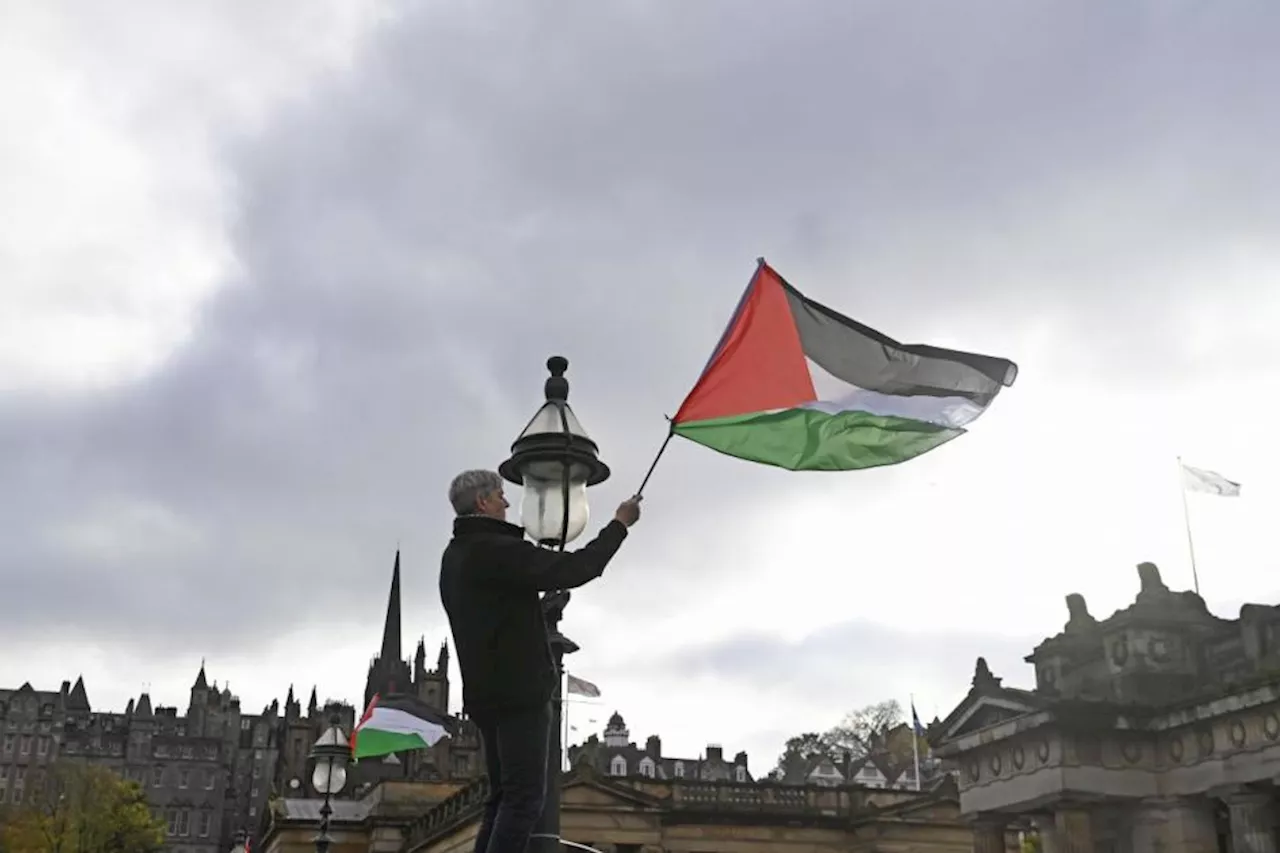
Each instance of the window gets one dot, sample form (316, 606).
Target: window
(8, 744)
(679, 769)
(184, 778)
(618, 767)
(42, 746)
(184, 822)
(646, 767)
(25, 749)
(206, 820)
(188, 752)
(740, 773)
(257, 770)
(245, 724)
(209, 780)
(172, 817)
(157, 777)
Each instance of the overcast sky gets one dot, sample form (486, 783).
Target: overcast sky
(273, 273)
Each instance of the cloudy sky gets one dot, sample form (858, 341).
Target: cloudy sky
(273, 273)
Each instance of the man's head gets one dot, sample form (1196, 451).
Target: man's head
(478, 493)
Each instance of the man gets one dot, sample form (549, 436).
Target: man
(490, 577)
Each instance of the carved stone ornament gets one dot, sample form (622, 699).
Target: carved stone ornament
(1132, 751)
(1238, 734)
(1019, 757)
(1158, 649)
(1204, 742)
(1175, 748)
(1042, 751)
(975, 772)
(1271, 726)
(1120, 651)
(995, 764)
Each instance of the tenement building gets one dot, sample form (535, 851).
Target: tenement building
(205, 773)
(1155, 729)
(210, 772)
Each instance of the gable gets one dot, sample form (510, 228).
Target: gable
(595, 795)
(979, 712)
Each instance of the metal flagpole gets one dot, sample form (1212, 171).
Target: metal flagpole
(564, 718)
(1186, 518)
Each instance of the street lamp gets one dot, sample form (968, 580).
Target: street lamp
(555, 461)
(331, 754)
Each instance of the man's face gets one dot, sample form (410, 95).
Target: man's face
(494, 505)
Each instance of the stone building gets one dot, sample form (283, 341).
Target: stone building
(455, 758)
(1155, 729)
(888, 762)
(204, 773)
(639, 814)
(616, 755)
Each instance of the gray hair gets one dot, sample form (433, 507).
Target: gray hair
(469, 486)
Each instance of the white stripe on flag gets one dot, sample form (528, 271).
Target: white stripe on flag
(400, 722)
(1209, 482)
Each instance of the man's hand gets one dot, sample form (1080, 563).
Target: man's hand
(629, 510)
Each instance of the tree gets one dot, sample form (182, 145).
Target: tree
(82, 808)
(860, 733)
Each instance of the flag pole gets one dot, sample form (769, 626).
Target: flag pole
(915, 740)
(1186, 519)
(654, 464)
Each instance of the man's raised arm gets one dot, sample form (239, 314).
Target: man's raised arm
(524, 564)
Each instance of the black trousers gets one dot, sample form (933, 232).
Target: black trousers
(515, 757)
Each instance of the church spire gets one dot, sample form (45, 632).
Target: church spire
(391, 628)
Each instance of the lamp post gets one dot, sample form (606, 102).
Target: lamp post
(331, 754)
(555, 461)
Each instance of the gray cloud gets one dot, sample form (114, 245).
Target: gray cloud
(488, 185)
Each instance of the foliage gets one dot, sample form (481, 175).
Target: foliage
(859, 733)
(82, 808)
(1031, 843)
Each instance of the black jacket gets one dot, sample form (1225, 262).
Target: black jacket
(490, 578)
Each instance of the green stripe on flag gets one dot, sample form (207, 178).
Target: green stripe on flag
(812, 440)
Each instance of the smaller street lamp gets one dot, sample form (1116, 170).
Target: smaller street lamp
(331, 754)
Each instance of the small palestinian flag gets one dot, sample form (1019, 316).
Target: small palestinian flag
(796, 385)
(396, 723)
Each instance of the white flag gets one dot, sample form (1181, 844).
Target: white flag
(1210, 482)
(582, 687)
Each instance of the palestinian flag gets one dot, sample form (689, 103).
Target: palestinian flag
(797, 385)
(396, 723)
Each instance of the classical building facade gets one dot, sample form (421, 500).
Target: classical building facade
(639, 814)
(1152, 731)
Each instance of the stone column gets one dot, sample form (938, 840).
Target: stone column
(1073, 830)
(989, 834)
(1184, 825)
(1252, 822)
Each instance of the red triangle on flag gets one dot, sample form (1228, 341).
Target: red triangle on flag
(760, 363)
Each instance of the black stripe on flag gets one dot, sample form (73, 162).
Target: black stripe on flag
(861, 356)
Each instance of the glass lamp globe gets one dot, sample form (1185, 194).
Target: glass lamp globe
(555, 461)
(331, 754)
(329, 776)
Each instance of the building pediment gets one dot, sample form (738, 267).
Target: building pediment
(988, 703)
(593, 792)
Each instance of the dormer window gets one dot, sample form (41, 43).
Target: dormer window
(679, 769)
(618, 766)
(647, 767)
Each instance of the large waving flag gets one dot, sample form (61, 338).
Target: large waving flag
(796, 385)
(1209, 482)
(396, 723)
